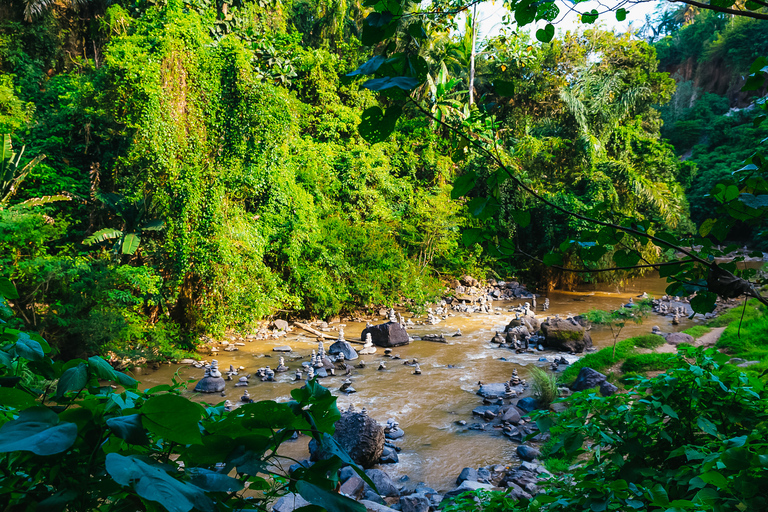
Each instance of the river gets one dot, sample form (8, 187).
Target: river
(434, 448)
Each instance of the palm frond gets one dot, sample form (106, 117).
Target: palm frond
(103, 235)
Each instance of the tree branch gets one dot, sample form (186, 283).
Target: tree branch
(711, 7)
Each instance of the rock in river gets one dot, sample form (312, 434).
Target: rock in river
(359, 435)
(343, 347)
(566, 335)
(390, 334)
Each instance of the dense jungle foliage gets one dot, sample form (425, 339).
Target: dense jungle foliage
(202, 166)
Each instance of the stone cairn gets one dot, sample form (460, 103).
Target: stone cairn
(246, 398)
(368, 347)
(212, 382)
(515, 380)
(382, 366)
(281, 365)
(346, 387)
(298, 375)
(242, 382)
(546, 304)
(417, 369)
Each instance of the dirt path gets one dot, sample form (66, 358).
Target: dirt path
(709, 339)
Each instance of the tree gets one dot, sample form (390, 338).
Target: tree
(695, 272)
(618, 318)
(135, 216)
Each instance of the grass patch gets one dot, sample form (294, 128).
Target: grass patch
(648, 341)
(555, 465)
(603, 358)
(697, 331)
(648, 362)
(752, 311)
(753, 335)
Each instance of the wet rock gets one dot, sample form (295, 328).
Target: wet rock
(373, 506)
(353, 487)
(301, 464)
(511, 415)
(437, 338)
(359, 435)
(390, 334)
(282, 348)
(482, 409)
(531, 323)
(415, 503)
(212, 381)
(383, 482)
(492, 390)
(470, 281)
(566, 335)
(588, 379)
(528, 453)
(528, 404)
(676, 338)
(467, 474)
(289, 503)
(389, 456)
(343, 347)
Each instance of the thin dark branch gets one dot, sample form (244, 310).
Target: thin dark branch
(752, 292)
(611, 269)
(725, 10)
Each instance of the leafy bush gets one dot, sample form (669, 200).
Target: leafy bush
(79, 445)
(692, 438)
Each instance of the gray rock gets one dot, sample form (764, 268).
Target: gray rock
(747, 364)
(511, 415)
(676, 338)
(390, 334)
(467, 485)
(566, 335)
(394, 434)
(384, 484)
(587, 379)
(493, 390)
(359, 435)
(211, 385)
(607, 389)
(516, 492)
(389, 456)
(343, 347)
(372, 506)
(481, 410)
(528, 453)
(353, 487)
(282, 348)
(370, 495)
(346, 473)
(289, 503)
(280, 325)
(484, 475)
(467, 474)
(415, 503)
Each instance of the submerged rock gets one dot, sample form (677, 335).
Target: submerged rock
(343, 347)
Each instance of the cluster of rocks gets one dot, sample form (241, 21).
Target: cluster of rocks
(524, 333)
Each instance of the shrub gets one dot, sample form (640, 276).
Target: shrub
(543, 386)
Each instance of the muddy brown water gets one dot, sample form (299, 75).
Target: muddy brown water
(434, 448)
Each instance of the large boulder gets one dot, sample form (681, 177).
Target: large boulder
(469, 281)
(361, 437)
(210, 384)
(566, 335)
(390, 334)
(343, 347)
(528, 453)
(588, 379)
(676, 338)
